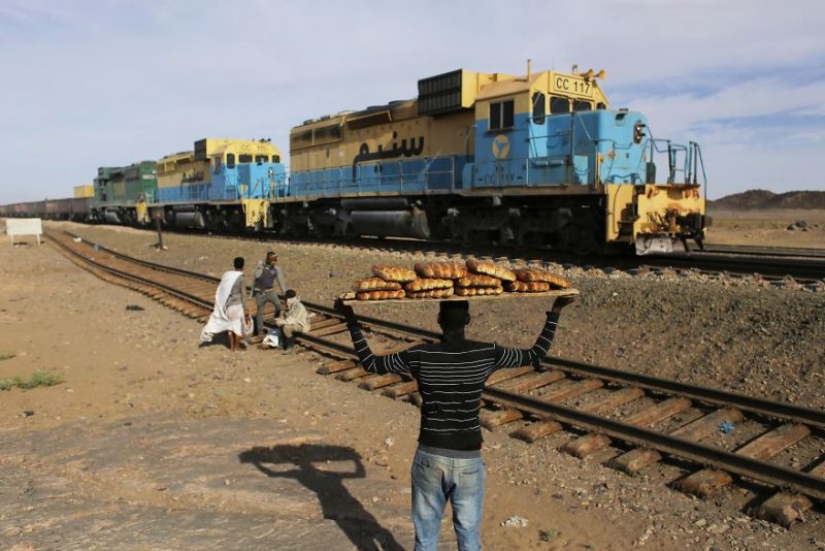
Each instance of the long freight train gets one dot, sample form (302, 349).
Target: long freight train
(539, 159)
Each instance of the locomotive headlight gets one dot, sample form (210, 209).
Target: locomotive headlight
(638, 132)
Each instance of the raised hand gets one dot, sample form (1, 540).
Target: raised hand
(345, 310)
(562, 301)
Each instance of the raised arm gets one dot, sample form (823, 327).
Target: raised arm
(515, 357)
(392, 363)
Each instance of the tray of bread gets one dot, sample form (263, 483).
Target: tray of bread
(447, 280)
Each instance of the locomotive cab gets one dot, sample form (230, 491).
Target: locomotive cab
(589, 171)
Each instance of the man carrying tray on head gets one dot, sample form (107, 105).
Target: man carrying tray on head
(451, 376)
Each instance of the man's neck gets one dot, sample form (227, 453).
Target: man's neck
(453, 336)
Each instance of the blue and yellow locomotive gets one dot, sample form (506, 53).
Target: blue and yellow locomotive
(538, 159)
(221, 184)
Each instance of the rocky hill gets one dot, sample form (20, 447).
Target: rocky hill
(762, 199)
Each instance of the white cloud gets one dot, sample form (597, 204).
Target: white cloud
(753, 98)
(99, 82)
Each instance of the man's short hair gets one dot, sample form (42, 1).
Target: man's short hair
(238, 263)
(454, 313)
(290, 293)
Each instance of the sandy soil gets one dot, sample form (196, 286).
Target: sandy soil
(122, 366)
(772, 228)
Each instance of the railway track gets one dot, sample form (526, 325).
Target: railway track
(188, 292)
(804, 266)
(716, 439)
(757, 251)
(807, 270)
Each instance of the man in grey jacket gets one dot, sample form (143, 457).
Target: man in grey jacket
(263, 289)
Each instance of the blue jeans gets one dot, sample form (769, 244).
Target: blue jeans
(260, 302)
(437, 479)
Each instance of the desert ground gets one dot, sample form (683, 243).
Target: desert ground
(775, 228)
(152, 442)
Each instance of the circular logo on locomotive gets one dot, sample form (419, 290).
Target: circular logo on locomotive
(501, 147)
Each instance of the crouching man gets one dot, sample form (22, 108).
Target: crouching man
(294, 319)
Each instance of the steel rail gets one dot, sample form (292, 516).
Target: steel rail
(711, 396)
(758, 406)
(757, 251)
(809, 268)
(775, 475)
(144, 263)
(802, 269)
(377, 322)
(196, 300)
(342, 349)
(696, 452)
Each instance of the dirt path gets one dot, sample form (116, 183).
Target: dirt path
(153, 443)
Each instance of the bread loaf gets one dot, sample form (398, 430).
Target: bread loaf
(427, 284)
(527, 274)
(432, 293)
(440, 280)
(490, 268)
(557, 282)
(478, 291)
(526, 286)
(441, 270)
(478, 280)
(379, 295)
(375, 284)
(387, 272)
(537, 274)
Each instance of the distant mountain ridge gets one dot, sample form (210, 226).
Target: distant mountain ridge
(760, 199)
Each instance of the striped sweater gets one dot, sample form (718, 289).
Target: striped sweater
(451, 376)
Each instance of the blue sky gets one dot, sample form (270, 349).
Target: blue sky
(88, 83)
